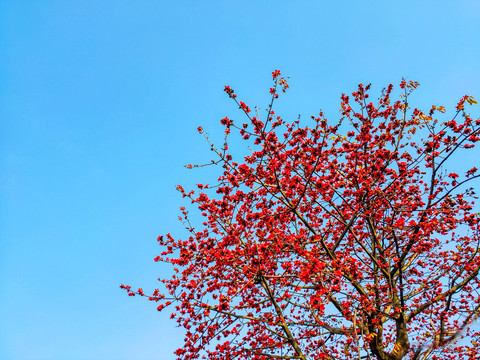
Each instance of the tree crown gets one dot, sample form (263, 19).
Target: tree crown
(330, 244)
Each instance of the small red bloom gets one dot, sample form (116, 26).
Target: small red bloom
(276, 74)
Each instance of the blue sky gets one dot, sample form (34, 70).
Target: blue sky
(99, 105)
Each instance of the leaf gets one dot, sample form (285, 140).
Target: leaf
(471, 100)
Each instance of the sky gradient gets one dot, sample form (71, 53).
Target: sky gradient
(99, 105)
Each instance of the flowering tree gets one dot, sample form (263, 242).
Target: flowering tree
(352, 240)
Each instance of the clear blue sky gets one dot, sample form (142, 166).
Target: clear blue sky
(99, 104)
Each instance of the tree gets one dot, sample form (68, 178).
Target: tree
(346, 241)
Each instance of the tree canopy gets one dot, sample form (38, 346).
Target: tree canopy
(352, 239)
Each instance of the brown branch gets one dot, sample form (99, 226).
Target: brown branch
(444, 294)
(283, 323)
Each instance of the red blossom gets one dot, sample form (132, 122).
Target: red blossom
(230, 92)
(226, 121)
(276, 74)
(244, 107)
